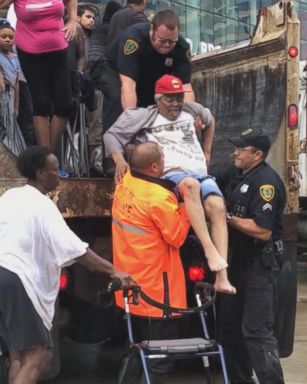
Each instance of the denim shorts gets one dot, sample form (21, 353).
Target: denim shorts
(208, 184)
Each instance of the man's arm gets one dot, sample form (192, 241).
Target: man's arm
(94, 262)
(5, 3)
(172, 220)
(207, 139)
(81, 61)
(249, 228)
(128, 92)
(189, 96)
(121, 166)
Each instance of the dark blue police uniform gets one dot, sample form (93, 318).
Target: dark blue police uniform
(247, 318)
(133, 56)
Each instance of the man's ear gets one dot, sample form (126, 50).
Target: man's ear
(154, 167)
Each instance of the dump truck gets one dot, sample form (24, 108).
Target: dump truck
(253, 84)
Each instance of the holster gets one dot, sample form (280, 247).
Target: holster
(279, 252)
(267, 255)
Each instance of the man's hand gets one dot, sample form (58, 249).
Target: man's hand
(198, 124)
(124, 278)
(121, 168)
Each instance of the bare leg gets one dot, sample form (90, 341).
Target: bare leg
(215, 210)
(57, 127)
(41, 126)
(33, 363)
(15, 364)
(189, 189)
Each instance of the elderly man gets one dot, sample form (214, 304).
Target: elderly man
(170, 125)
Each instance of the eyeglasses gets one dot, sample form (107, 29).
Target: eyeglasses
(166, 41)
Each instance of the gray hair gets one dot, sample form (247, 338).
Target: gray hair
(158, 97)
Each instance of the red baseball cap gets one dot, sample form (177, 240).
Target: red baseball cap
(169, 84)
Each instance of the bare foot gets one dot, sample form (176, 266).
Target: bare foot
(215, 261)
(222, 284)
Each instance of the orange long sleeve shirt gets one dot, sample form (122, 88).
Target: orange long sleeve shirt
(148, 229)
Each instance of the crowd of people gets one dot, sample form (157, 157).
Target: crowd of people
(157, 142)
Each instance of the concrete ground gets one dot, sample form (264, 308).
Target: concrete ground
(295, 366)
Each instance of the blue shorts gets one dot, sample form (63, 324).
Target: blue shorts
(207, 183)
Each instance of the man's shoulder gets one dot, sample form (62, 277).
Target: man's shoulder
(136, 111)
(138, 30)
(265, 175)
(195, 108)
(182, 44)
(122, 14)
(157, 187)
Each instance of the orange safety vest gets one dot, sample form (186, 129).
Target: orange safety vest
(148, 229)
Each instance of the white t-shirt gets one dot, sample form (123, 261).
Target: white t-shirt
(35, 242)
(179, 142)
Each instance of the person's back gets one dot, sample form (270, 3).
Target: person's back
(148, 229)
(122, 19)
(98, 38)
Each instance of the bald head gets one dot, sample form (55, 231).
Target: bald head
(147, 158)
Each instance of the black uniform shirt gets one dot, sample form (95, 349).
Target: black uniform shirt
(258, 194)
(134, 56)
(121, 20)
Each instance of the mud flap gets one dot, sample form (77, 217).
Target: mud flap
(286, 301)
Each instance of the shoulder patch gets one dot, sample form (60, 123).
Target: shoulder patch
(267, 192)
(130, 47)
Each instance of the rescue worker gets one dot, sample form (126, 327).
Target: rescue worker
(141, 55)
(255, 198)
(148, 228)
(35, 243)
(170, 123)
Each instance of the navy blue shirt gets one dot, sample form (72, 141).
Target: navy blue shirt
(258, 194)
(134, 57)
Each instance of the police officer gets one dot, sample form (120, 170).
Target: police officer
(255, 198)
(137, 59)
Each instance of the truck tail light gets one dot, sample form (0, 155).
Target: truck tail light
(293, 52)
(196, 273)
(292, 116)
(64, 280)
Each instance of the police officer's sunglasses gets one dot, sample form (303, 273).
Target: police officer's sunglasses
(166, 41)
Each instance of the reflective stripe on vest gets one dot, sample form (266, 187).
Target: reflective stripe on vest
(128, 227)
